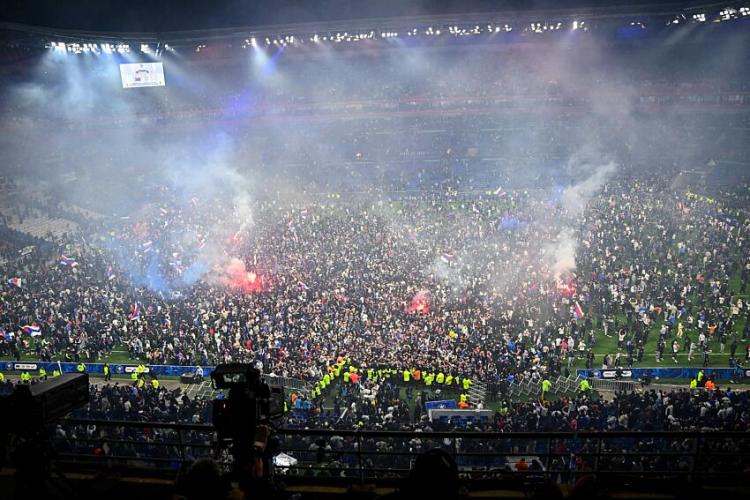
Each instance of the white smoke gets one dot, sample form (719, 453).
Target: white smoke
(576, 197)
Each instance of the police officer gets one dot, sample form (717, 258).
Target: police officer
(107, 374)
(55, 373)
(584, 386)
(467, 383)
(154, 383)
(25, 377)
(546, 386)
(42, 374)
(2, 378)
(440, 379)
(81, 368)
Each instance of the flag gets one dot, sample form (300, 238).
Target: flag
(302, 285)
(8, 336)
(68, 261)
(32, 330)
(15, 282)
(110, 273)
(578, 311)
(499, 191)
(447, 258)
(135, 312)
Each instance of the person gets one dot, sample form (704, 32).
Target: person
(694, 383)
(42, 373)
(546, 386)
(81, 367)
(198, 374)
(584, 386)
(25, 377)
(107, 374)
(521, 465)
(55, 373)
(2, 378)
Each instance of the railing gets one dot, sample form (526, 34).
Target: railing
(288, 383)
(380, 455)
(613, 385)
(528, 388)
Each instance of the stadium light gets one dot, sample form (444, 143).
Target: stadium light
(701, 18)
(745, 11)
(728, 13)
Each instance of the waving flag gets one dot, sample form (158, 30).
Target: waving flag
(578, 311)
(68, 261)
(110, 273)
(302, 285)
(15, 282)
(32, 330)
(135, 312)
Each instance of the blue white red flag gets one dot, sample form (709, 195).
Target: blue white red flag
(578, 311)
(32, 330)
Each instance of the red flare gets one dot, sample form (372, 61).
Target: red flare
(420, 303)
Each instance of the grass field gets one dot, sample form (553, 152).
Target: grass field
(604, 345)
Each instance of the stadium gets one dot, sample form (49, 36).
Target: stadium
(365, 251)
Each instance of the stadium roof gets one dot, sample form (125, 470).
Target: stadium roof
(149, 16)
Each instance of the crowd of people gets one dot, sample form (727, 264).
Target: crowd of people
(494, 287)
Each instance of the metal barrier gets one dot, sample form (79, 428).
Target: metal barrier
(613, 385)
(374, 455)
(288, 383)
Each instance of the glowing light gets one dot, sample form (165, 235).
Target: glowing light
(420, 303)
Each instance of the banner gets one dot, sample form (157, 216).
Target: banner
(98, 368)
(682, 373)
(447, 404)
